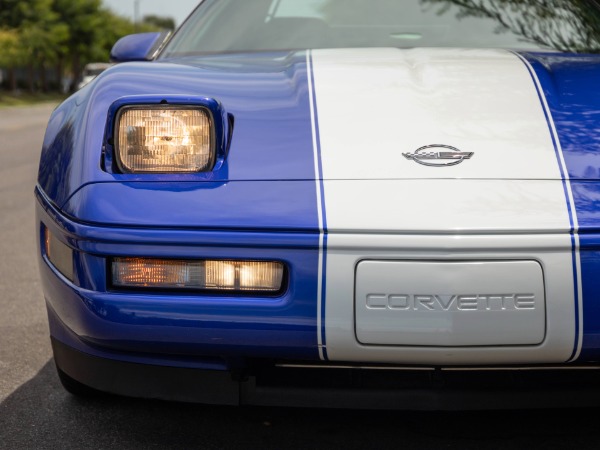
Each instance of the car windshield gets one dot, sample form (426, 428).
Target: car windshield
(219, 26)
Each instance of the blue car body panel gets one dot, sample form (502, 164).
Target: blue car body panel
(249, 205)
(569, 87)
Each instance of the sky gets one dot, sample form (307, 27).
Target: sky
(177, 9)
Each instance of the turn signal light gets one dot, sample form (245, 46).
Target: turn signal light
(59, 255)
(210, 275)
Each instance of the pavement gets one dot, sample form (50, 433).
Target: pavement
(36, 413)
(24, 346)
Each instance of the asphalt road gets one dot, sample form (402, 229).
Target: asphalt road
(35, 412)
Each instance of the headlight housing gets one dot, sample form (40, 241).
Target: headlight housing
(164, 139)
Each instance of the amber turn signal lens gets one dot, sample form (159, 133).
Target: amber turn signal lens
(212, 275)
(59, 255)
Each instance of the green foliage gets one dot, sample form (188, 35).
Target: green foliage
(35, 27)
(14, 12)
(164, 23)
(84, 24)
(11, 54)
(65, 34)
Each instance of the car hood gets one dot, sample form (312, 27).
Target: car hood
(374, 108)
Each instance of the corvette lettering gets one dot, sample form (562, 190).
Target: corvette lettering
(451, 302)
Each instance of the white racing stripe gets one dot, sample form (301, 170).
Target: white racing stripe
(571, 201)
(374, 105)
(316, 156)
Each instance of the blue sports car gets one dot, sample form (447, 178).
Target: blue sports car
(373, 203)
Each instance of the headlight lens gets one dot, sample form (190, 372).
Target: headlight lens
(163, 139)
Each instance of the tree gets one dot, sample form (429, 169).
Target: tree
(42, 36)
(85, 26)
(93, 30)
(11, 55)
(14, 12)
(61, 34)
(161, 23)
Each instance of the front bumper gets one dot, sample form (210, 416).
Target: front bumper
(326, 386)
(193, 331)
(265, 351)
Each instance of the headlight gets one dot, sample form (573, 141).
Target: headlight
(164, 139)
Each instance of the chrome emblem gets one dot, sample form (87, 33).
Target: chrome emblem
(438, 155)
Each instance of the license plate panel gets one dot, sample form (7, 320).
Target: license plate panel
(450, 304)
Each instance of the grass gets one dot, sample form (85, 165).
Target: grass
(27, 98)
